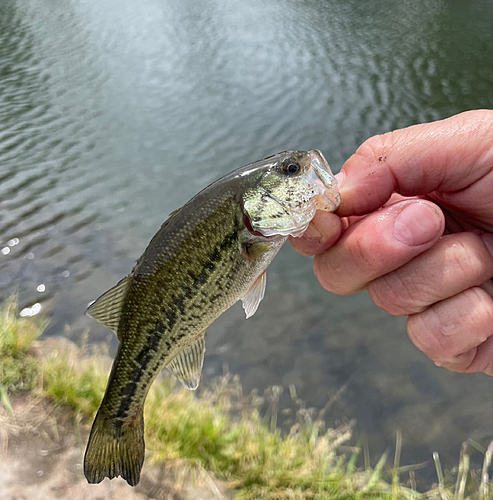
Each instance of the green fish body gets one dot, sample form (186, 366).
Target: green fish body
(208, 255)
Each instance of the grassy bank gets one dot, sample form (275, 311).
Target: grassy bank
(220, 430)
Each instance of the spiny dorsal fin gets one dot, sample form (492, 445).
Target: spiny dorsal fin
(187, 366)
(255, 295)
(171, 216)
(107, 309)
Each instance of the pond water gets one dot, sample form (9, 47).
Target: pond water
(114, 113)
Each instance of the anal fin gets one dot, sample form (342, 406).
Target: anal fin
(187, 365)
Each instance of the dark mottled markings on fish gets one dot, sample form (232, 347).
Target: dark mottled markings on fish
(128, 390)
(171, 319)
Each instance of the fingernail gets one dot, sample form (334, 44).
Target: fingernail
(488, 242)
(312, 234)
(417, 223)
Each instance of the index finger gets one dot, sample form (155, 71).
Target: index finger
(447, 155)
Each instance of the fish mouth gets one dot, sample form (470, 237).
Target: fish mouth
(328, 198)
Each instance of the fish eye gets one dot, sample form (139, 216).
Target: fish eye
(290, 167)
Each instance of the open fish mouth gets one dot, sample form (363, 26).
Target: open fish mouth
(328, 199)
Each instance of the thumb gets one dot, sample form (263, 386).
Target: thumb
(447, 156)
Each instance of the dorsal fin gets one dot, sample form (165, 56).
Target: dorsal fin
(171, 216)
(255, 295)
(107, 309)
(187, 365)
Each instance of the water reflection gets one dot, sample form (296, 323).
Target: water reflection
(114, 113)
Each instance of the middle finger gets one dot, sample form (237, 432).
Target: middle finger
(455, 263)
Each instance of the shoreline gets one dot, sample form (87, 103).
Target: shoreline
(41, 459)
(213, 444)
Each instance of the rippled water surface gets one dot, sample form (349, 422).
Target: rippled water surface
(114, 113)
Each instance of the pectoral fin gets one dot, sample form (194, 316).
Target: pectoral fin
(187, 365)
(253, 250)
(255, 295)
(107, 309)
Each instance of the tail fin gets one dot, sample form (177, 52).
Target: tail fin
(115, 451)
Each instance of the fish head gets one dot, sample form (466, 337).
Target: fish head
(290, 187)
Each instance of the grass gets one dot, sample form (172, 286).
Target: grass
(222, 431)
(18, 368)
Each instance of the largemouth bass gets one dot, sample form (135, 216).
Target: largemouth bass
(209, 254)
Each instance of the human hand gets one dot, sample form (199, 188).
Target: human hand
(415, 229)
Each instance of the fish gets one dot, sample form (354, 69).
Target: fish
(208, 255)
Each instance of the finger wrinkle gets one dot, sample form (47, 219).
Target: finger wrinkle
(395, 295)
(376, 151)
(422, 338)
(454, 326)
(455, 263)
(363, 254)
(483, 359)
(465, 262)
(333, 277)
(476, 364)
(461, 362)
(485, 305)
(332, 269)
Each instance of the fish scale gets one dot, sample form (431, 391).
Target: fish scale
(208, 255)
(164, 333)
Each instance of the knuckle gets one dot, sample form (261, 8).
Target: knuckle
(393, 295)
(377, 146)
(427, 336)
(302, 248)
(449, 333)
(423, 338)
(478, 365)
(483, 309)
(485, 116)
(465, 259)
(462, 363)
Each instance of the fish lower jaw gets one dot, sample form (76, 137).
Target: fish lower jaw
(300, 231)
(296, 232)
